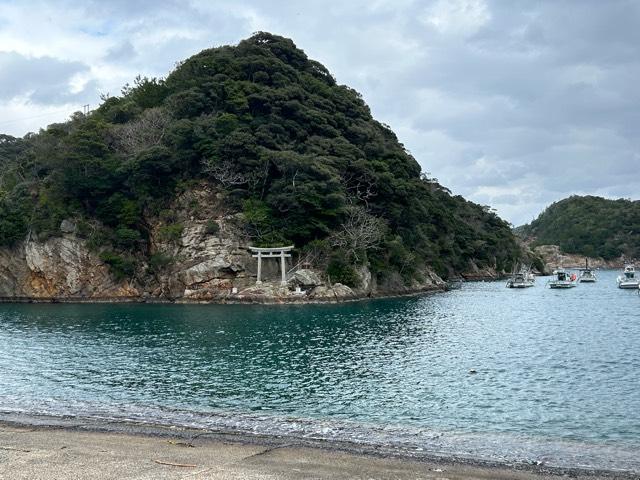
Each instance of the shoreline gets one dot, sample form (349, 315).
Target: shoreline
(192, 446)
(224, 300)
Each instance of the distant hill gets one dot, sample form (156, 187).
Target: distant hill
(589, 226)
(294, 157)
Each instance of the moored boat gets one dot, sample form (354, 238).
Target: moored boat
(587, 275)
(521, 279)
(563, 279)
(628, 279)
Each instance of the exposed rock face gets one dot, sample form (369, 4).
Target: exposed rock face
(13, 272)
(208, 274)
(62, 267)
(67, 226)
(204, 268)
(200, 266)
(429, 279)
(211, 266)
(554, 258)
(395, 283)
(333, 292)
(366, 283)
(305, 278)
(59, 267)
(475, 273)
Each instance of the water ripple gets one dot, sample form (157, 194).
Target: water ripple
(557, 372)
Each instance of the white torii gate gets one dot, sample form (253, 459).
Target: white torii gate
(276, 252)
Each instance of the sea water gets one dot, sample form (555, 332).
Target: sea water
(536, 374)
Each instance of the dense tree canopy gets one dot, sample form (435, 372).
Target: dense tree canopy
(299, 155)
(591, 226)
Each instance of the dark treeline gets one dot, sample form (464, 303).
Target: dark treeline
(299, 155)
(591, 226)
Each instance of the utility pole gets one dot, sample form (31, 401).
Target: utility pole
(85, 109)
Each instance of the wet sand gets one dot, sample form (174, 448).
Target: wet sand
(66, 452)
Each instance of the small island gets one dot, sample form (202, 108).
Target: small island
(160, 193)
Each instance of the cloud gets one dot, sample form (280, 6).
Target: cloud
(122, 52)
(512, 104)
(41, 80)
(456, 17)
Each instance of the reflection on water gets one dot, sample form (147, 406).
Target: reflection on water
(557, 371)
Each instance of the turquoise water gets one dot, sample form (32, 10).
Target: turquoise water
(557, 371)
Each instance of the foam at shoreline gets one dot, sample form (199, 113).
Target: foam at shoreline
(386, 440)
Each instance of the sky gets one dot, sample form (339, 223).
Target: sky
(513, 104)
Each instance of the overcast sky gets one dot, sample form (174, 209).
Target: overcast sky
(512, 104)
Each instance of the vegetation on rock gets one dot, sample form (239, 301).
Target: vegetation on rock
(590, 226)
(296, 155)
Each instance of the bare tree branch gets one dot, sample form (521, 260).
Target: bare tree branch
(360, 187)
(147, 131)
(359, 232)
(224, 172)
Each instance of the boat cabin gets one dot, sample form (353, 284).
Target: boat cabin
(630, 272)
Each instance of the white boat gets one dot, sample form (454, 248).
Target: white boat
(563, 279)
(628, 279)
(587, 275)
(522, 279)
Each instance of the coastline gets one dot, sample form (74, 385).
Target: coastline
(34, 447)
(229, 299)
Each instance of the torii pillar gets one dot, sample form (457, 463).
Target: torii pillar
(276, 252)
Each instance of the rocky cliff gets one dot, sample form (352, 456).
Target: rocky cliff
(201, 264)
(553, 257)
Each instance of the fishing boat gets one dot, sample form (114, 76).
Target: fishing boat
(628, 279)
(587, 275)
(521, 279)
(563, 279)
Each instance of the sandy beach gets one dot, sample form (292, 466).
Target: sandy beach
(38, 452)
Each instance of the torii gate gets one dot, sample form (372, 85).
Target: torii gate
(275, 252)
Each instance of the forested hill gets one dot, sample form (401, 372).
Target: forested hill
(297, 157)
(590, 226)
